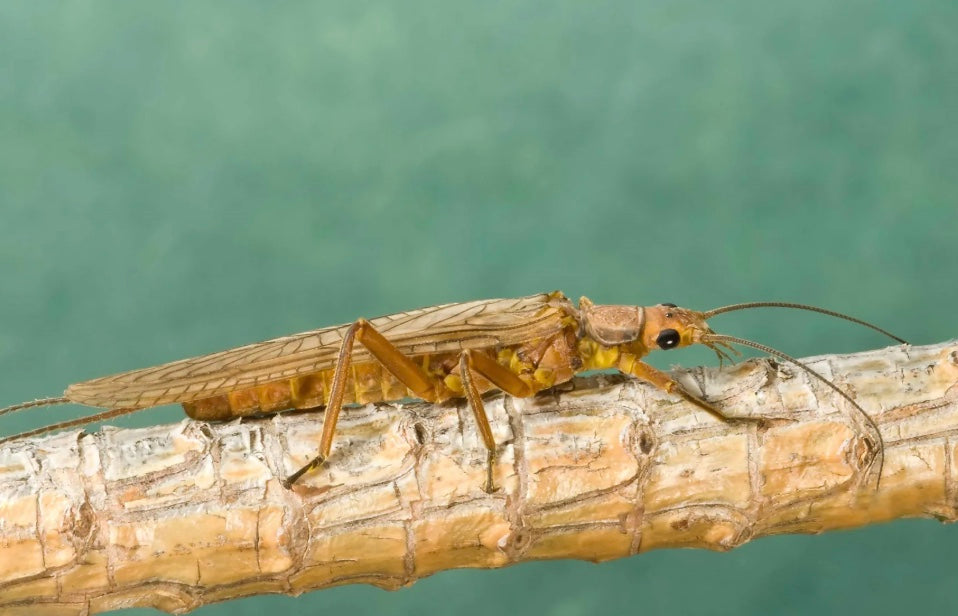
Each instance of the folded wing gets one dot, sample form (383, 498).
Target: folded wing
(437, 329)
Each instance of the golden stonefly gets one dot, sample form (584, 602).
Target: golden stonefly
(519, 346)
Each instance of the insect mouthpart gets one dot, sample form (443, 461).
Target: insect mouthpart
(721, 348)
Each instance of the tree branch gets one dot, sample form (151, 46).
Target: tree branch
(179, 516)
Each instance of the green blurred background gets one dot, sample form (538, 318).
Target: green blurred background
(178, 178)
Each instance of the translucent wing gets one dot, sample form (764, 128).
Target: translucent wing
(437, 329)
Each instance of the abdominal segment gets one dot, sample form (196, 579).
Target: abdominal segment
(541, 363)
(367, 382)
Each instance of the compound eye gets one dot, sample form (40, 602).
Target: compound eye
(668, 339)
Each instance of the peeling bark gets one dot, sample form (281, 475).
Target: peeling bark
(174, 517)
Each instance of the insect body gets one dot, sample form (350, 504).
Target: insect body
(520, 346)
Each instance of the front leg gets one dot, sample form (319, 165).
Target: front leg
(631, 365)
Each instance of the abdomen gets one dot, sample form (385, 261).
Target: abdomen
(367, 382)
(542, 363)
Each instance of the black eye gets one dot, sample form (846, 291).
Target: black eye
(668, 339)
(669, 305)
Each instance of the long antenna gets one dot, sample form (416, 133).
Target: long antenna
(767, 349)
(711, 313)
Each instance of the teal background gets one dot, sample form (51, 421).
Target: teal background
(178, 178)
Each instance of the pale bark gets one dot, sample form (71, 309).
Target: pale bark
(178, 516)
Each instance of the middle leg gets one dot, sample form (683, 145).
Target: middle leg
(472, 362)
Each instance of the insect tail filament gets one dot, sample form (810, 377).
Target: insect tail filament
(80, 421)
(32, 404)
